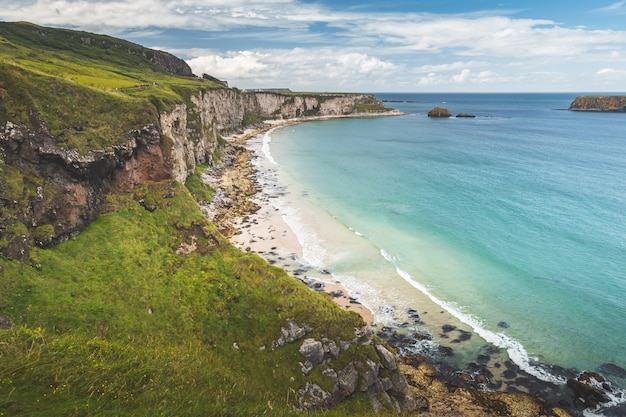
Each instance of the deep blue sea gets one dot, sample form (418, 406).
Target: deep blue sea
(513, 221)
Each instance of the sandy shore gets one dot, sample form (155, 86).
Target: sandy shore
(257, 226)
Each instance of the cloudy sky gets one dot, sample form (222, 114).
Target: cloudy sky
(369, 46)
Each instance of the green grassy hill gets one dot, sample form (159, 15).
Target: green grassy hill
(90, 89)
(149, 311)
(139, 315)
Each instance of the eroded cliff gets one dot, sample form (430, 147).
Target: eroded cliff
(49, 193)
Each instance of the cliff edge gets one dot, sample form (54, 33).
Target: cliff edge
(599, 104)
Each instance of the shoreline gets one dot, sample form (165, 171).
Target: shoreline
(257, 226)
(262, 230)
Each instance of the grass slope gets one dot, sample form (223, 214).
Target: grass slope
(139, 314)
(90, 89)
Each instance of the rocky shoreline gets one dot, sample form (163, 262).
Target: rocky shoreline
(490, 384)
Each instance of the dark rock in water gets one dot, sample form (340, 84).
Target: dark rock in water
(5, 322)
(464, 376)
(413, 314)
(464, 336)
(447, 328)
(446, 351)
(482, 379)
(612, 369)
(439, 112)
(589, 394)
(590, 377)
(465, 115)
(509, 374)
(503, 325)
(483, 358)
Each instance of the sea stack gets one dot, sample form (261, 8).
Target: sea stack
(439, 112)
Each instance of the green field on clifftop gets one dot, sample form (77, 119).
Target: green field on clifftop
(89, 89)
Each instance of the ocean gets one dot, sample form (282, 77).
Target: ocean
(512, 223)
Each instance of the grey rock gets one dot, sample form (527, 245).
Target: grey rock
(331, 347)
(348, 378)
(313, 350)
(386, 358)
(291, 333)
(400, 387)
(306, 367)
(313, 397)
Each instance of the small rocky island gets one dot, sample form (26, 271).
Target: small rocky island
(439, 112)
(443, 112)
(599, 104)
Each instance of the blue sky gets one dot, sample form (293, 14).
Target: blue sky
(369, 46)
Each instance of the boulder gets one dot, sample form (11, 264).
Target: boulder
(386, 358)
(471, 116)
(347, 379)
(439, 112)
(313, 351)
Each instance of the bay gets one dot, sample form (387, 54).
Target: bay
(513, 221)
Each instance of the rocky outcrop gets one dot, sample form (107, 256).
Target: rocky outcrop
(172, 64)
(49, 193)
(439, 112)
(373, 371)
(599, 103)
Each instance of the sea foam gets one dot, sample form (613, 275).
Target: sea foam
(515, 350)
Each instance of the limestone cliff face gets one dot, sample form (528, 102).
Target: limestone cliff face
(194, 128)
(599, 103)
(48, 193)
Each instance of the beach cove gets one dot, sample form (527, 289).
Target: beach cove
(265, 230)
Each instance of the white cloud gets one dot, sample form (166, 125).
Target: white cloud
(482, 50)
(612, 8)
(612, 75)
(298, 67)
(137, 14)
(462, 77)
(235, 65)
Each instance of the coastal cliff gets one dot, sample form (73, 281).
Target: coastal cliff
(599, 104)
(58, 191)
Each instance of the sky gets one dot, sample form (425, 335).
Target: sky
(368, 46)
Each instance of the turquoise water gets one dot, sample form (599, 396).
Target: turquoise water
(514, 216)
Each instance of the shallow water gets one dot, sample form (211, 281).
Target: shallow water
(512, 221)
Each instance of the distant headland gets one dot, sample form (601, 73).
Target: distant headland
(599, 104)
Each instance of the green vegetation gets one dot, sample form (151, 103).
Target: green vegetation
(198, 189)
(139, 314)
(89, 89)
(149, 311)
